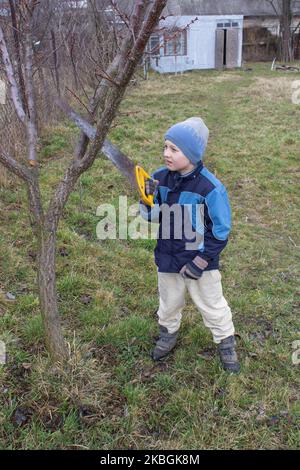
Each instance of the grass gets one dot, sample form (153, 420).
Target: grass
(113, 396)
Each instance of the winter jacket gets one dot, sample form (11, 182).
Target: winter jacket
(189, 193)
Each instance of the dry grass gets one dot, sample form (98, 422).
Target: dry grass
(227, 76)
(5, 178)
(112, 396)
(273, 88)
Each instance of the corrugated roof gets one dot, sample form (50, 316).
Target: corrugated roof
(214, 7)
(227, 7)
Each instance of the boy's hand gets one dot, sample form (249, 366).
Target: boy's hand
(194, 269)
(186, 272)
(150, 186)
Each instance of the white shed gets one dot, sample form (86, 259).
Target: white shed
(183, 43)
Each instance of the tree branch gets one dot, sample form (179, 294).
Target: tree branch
(15, 167)
(33, 188)
(120, 160)
(10, 74)
(31, 122)
(273, 6)
(98, 100)
(143, 37)
(81, 123)
(16, 35)
(126, 67)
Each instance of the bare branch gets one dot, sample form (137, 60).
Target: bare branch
(121, 14)
(126, 65)
(80, 101)
(142, 40)
(99, 98)
(53, 41)
(16, 35)
(78, 120)
(31, 122)
(273, 6)
(137, 16)
(10, 74)
(102, 73)
(110, 151)
(15, 167)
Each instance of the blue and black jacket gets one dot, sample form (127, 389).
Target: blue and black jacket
(200, 187)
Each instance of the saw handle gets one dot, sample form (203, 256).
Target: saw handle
(141, 177)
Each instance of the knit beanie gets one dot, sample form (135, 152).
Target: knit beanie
(191, 137)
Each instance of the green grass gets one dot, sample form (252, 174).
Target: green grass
(113, 396)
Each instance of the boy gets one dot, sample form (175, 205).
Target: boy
(185, 182)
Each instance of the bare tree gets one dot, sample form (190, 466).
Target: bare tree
(284, 11)
(286, 33)
(102, 107)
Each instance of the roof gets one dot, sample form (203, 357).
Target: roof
(208, 7)
(227, 7)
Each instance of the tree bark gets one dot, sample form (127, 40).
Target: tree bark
(45, 233)
(10, 75)
(16, 35)
(286, 21)
(55, 60)
(48, 296)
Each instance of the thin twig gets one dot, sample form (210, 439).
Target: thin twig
(102, 73)
(80, 101)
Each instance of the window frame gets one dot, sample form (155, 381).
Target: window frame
(224, 24)
(149, 47)
(168, 42)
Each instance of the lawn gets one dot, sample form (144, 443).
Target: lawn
(113, 396)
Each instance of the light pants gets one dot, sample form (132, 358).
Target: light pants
(206, 294)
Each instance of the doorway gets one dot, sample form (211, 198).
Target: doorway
(227, 46)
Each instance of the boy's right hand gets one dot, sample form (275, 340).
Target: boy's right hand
(150, 186)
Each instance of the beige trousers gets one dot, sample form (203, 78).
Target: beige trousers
(207, 295)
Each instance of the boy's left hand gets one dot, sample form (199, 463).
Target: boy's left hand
(186, 272)
(194, 269)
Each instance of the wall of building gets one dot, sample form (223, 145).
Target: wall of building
(201, 43)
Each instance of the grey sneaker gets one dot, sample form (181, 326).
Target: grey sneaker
(165, 343)
(228, 355)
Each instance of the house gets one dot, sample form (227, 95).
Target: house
(203, 34)
(189, 42)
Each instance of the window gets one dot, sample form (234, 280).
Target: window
(175, 43)
(228, 24)
(154, 45)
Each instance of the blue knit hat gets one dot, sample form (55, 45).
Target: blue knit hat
(190, 137)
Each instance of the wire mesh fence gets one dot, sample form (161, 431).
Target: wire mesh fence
(12, 131)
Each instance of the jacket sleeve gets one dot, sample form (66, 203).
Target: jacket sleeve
(151, 214)
(217, 225)
(219, 221)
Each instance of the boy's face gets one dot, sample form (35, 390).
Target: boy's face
(175, 159)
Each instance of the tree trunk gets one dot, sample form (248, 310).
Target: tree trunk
(286, 21)
(48, 296)
(55, 60)
(16, 35)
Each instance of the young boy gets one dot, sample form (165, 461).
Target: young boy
(185, 182)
